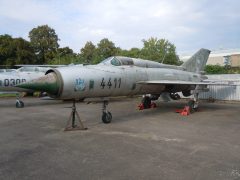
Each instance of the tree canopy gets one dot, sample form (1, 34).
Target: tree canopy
(44, 41)
(15, 51)
(24, 52)
(105, 48)
(160, 50)
(153, 49)
(215, 69)
(88, 52)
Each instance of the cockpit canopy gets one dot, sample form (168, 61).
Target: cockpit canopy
(127, 61)
(32, 69)
(118, 61)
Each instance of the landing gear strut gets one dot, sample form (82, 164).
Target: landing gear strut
(19, 103)
(146, 103)
(191, 107)
(106, 116)
(71, 122)
(193, 104)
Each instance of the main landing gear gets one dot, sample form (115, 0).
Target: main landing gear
(146, 103)
(191, 107)
(106, 115)
(194, 103)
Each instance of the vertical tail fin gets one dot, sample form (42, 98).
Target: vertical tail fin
(197, 62)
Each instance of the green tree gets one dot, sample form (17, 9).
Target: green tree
(133, 52)
(6, 49)
(65, 51)
(24, 52)
(105, 49)
(65, 55)
(44, 40)
(88, 52)
(160, 50)
(15, 51)
(215, 69)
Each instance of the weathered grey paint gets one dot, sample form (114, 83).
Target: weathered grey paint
(198, 65)
(105, 80)
(8, 81)
(128, 75)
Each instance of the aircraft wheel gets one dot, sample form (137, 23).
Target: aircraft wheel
(19, 104)
(186, 93)
(106, 117)
(146, 102)
(175, 96)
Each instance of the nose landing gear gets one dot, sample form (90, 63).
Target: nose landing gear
(106, 116)
(19, 103)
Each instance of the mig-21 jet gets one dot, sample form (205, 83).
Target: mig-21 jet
(9, 80)
(123, 76)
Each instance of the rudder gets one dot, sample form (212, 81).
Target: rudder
(197, 62)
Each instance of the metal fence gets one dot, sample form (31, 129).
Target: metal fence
(223, 92)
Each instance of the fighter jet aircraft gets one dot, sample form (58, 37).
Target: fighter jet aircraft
(9, 80)
(123, 76)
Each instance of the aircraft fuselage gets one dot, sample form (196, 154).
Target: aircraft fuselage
(8, 81)
(105, 81)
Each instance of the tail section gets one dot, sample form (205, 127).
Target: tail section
(197, 62)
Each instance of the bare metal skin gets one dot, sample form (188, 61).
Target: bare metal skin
(123, 76)
(104, 79)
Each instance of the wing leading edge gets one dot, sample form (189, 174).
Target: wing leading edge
(174, 82)
(168, 82)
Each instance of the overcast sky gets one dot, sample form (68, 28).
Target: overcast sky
(189, 24)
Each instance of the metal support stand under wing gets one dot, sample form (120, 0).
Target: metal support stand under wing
(71, 124)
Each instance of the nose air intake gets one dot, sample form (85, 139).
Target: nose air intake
(48, 83)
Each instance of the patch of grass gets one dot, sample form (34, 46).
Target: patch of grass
(7, 95)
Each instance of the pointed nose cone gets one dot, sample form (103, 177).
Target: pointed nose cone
(48, 83)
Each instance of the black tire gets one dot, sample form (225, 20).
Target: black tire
(106, 117)
(19, 104)
(146, 102)
(177, 96)
(174, 96)
(186, 93)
